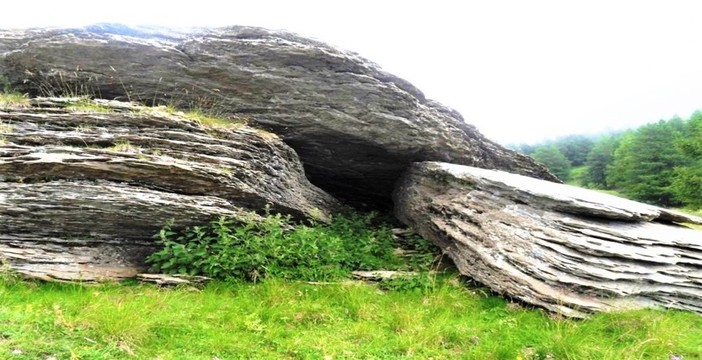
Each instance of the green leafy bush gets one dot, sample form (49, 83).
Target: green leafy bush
(276, 247)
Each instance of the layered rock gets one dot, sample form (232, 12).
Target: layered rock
(569, 250)
(354, 126)
(85, 185)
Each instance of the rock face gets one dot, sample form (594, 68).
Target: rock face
(569, 250)
(84, 185)
(355, 127)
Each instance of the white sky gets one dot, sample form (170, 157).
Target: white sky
(522, 71)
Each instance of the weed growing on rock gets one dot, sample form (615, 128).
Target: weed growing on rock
(6, 128)
(7, 274)
(13, 100)
(277, 247)
(210, 121)
(124, 147)
(85, 105)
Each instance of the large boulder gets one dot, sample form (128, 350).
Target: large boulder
(354, 126)
(570, 250)
(84, 186)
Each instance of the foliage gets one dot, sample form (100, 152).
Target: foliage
(575, 148)
(526, 149)
(577, 176)
(687, 185)
(687, 180)
(658, 163)
(7, 274)
(554, 160)
(5, 84)
(599, 159)
(290, 320)
(644, 162)
(276, 247)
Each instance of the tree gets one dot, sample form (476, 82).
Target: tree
(598, 159)
(575, 148)
(644, 163)
(554, 160)
(526, 149)
(687, 180)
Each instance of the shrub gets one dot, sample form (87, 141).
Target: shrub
(276, 247)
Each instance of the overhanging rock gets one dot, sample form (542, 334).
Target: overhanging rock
(84, 186)
(354, 126)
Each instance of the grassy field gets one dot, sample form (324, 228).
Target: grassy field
(289, 320)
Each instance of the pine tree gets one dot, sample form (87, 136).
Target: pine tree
(687, 180)
(575, 148)
(598, 159)
(644, 163)
(554, 160)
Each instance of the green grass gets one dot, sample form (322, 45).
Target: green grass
(203, 118)
(210, 121)
(288, 320)
(13, 100)
(86, 105)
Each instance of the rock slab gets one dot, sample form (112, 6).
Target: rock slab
(85, 185)
(570, 250)
(355, 127)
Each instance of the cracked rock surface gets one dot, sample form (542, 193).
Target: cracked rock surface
(570, 250)
(355, 127)
(82, 192)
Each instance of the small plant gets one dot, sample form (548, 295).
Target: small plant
(85, 105)
(5, 84)
(277, 247)
(13, 100)
(123, 146)
(202, 118)
(7, 274)
(213, 121)
(6, 128)
(74, 84)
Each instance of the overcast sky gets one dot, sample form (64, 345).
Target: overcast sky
(521, 71)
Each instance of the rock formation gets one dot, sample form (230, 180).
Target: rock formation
(84, 185)
(569, 250)
(355, 127)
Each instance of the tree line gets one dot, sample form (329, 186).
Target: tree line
(658, 163)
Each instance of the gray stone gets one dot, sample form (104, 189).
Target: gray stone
(570, 250)
(354, 126)
(83, 192)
